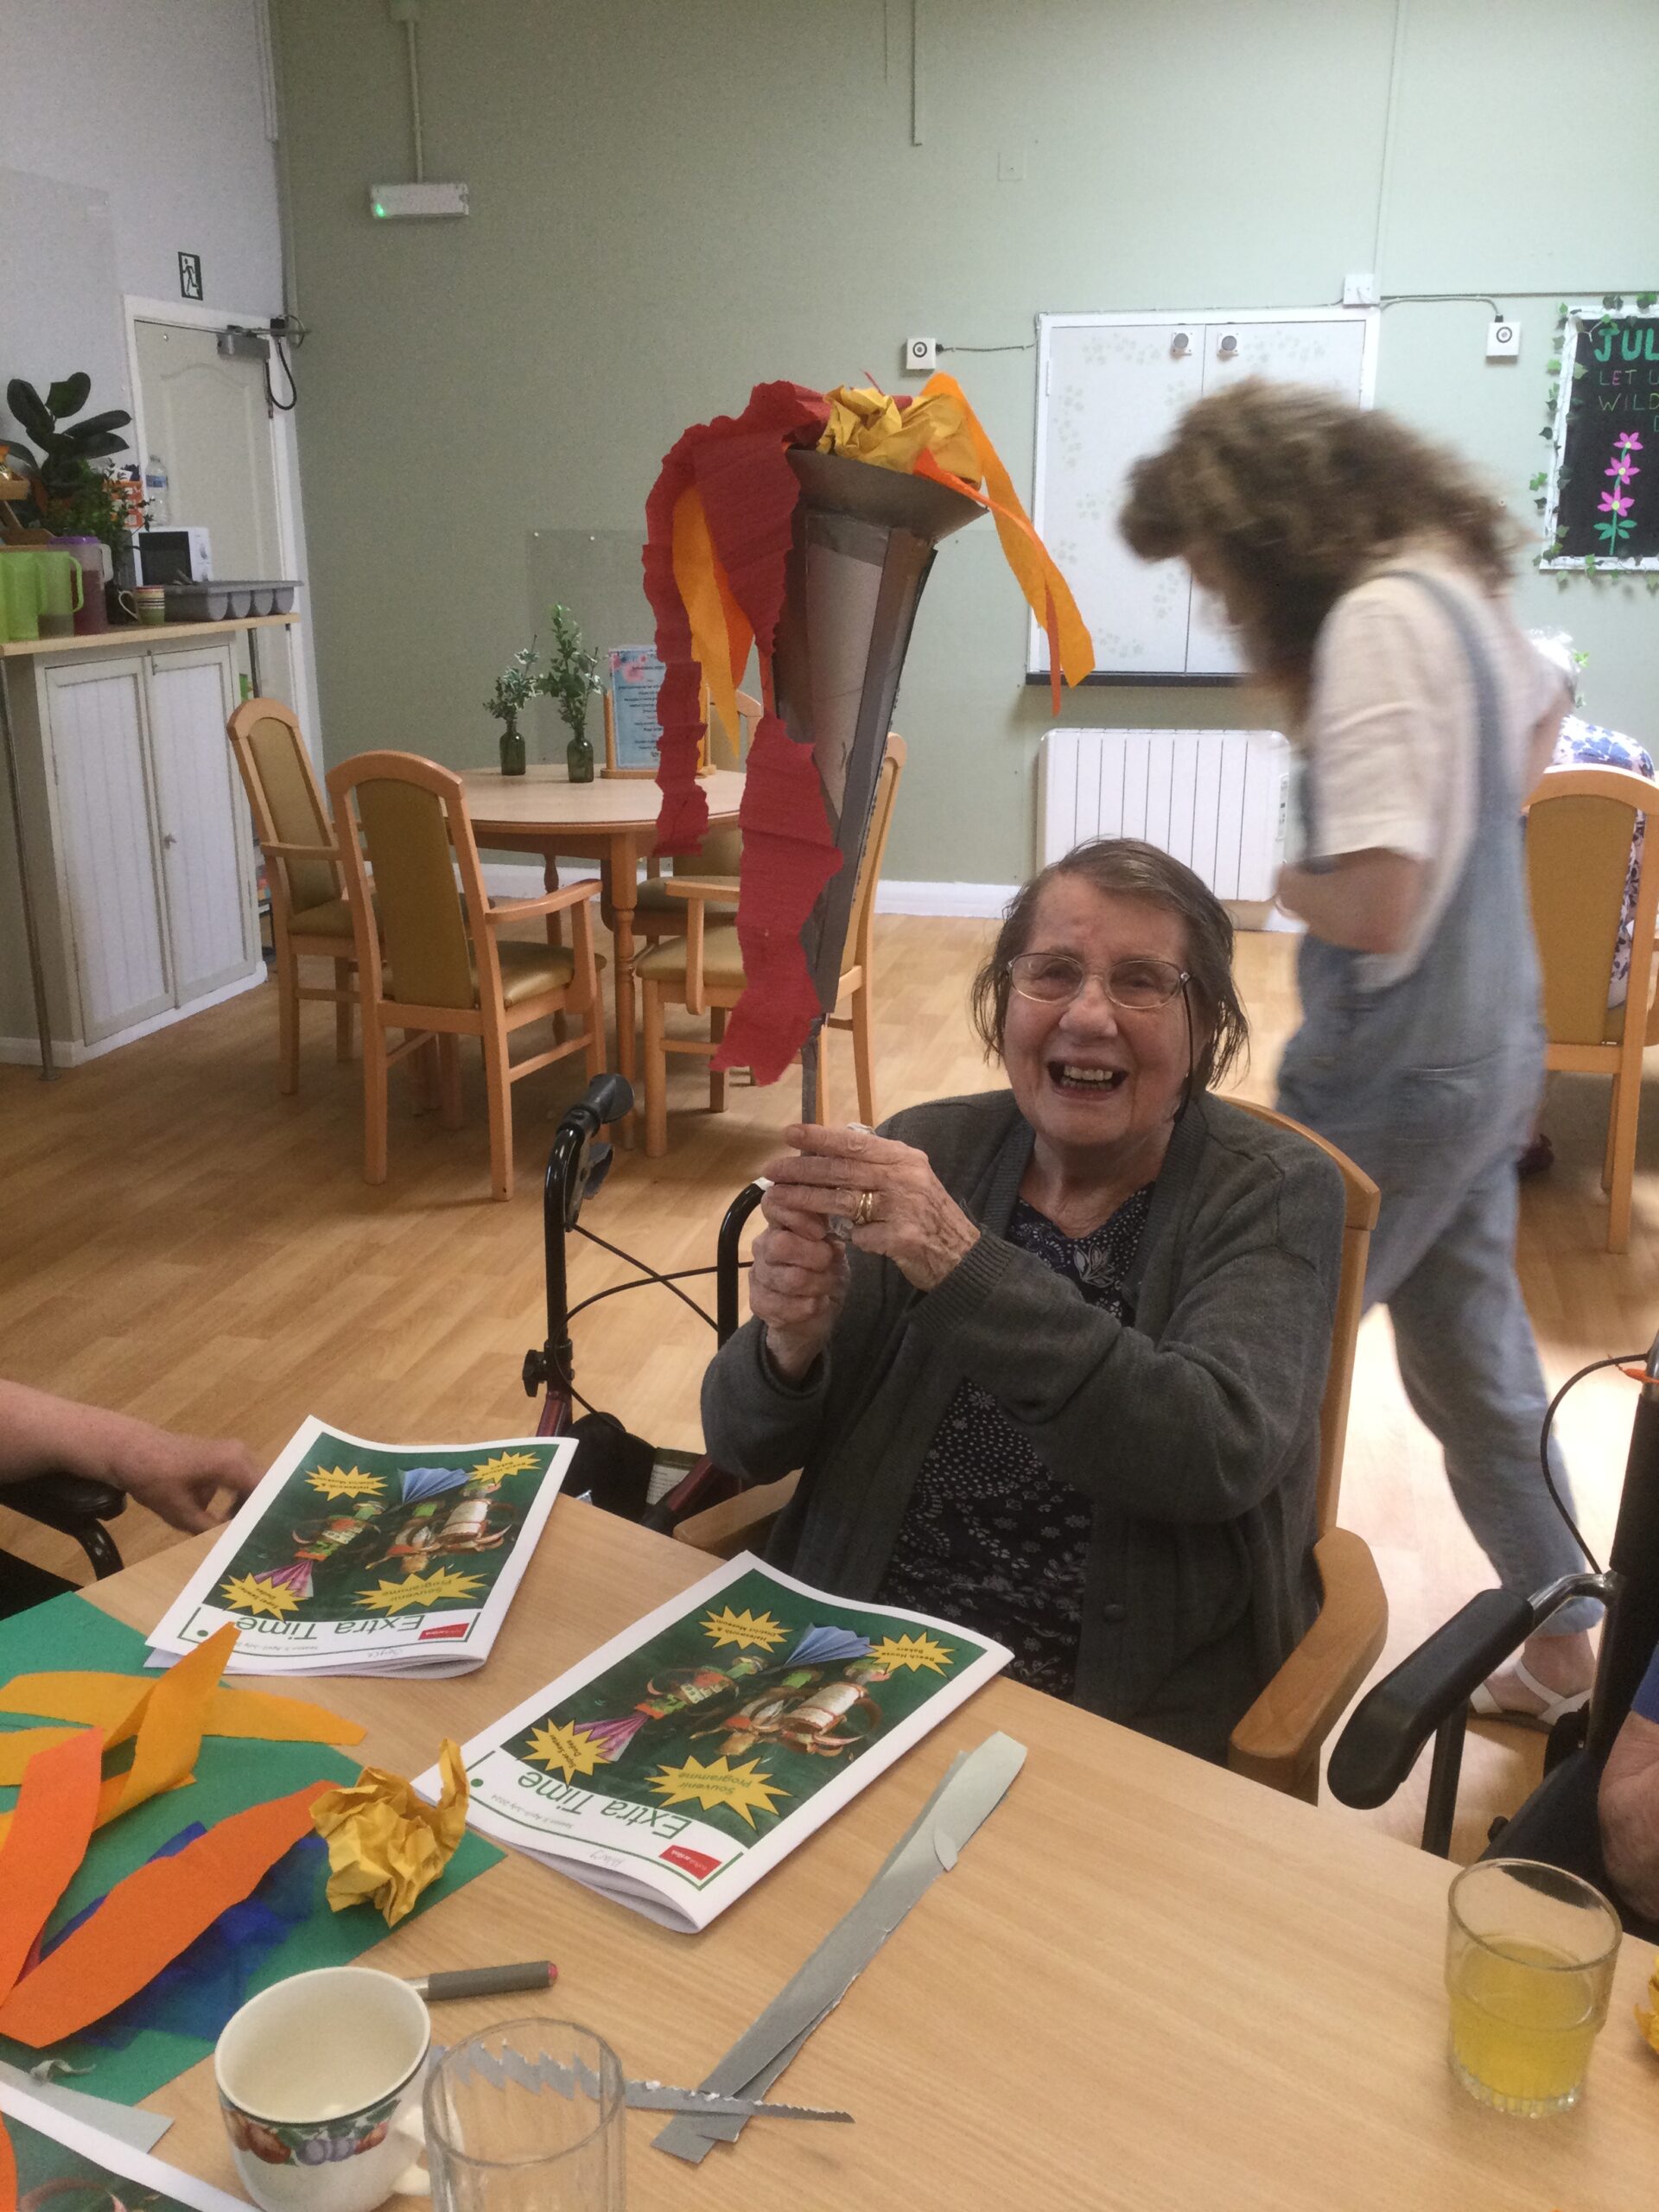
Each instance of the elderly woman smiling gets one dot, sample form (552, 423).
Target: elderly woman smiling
(1060, 1382)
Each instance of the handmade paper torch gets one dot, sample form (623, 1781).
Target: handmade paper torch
(804, 528)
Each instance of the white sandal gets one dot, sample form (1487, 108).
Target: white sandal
(1486, 1706)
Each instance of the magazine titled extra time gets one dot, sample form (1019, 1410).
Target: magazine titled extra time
(354, 1558)
(677, 1764)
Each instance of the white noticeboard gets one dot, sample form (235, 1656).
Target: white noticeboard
(1110, 389)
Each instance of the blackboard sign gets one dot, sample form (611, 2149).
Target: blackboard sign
(1604, 478)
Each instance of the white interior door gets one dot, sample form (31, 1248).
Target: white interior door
(208, 421)
(106, 833)
(204, 827)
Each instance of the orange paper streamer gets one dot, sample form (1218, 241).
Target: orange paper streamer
(46, 1843)
(148, 1918)
(167, 1723)
(107, 1701)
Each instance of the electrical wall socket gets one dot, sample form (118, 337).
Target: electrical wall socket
(1504, 341)
(1359, 291)
(921, 356)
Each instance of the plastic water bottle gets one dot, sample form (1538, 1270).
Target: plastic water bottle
(155, 490)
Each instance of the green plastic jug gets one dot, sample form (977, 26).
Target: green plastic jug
(62, 592)
(20, 596)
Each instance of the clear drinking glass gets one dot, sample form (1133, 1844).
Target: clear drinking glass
(1529, 1956)
(527, 2116)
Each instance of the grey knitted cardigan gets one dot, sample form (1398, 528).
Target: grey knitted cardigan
(1194, 1430)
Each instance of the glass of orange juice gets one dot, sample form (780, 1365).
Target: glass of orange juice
(1530, 1954)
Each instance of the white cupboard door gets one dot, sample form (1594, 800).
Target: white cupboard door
(1116, 392)
(1328, 355)
(205, 870)
(106, 838)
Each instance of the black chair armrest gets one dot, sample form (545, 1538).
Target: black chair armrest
(66, 1503)
(1396, 1716)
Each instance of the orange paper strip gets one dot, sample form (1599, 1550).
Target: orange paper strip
(45, 1844)
(697, 572)
(1024, 552)
(106, 1701)
(19, 1745)
(148, 1918)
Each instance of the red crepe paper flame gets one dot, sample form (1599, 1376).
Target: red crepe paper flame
(719, 524)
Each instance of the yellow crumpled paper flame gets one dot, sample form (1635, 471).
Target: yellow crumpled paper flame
(868, 425)
(385, 1843)
(1647, 2017)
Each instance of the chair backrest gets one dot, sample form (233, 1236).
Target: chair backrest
(1580, 824)
(860, 922)
(284, 799)
(721, 851)
(1361, 1201)
(408, 817)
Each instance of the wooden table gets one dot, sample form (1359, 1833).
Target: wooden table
(1220, 2001)
(612, 820)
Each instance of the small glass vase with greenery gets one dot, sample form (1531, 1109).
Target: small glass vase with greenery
(515, 688)
(570, 679)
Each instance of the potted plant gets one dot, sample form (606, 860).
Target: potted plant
(515, 688)
(68, 495)
(570, 679)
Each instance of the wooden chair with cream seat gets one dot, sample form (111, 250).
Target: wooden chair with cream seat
(1580, 824)
(439, 969)
(310, 919)
(717, 861)
(1279, 1740)
(703, 970)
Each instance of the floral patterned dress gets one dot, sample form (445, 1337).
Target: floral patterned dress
(989, 1539)
(1586, 745)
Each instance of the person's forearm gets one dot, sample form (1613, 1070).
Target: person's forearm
(1364, 903)
(757, 1421)
(1194, 1430)
(42, 1434)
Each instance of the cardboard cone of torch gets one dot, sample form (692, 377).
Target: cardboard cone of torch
(804, 529)
(864, 540)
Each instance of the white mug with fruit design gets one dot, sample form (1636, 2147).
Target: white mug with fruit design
(320, 2081)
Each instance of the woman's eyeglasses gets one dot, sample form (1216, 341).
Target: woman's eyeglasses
(1134, 986)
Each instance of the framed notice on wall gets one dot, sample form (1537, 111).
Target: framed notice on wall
(1603, 487)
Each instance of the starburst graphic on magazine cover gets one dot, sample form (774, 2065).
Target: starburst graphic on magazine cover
(345, 1482)
(422, 1590)
(744, 1629)
(254, 1593)
(503, 1464)
(914, 1652)
(740, 1790)
(567, 1746)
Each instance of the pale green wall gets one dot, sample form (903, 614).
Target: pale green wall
(672, 198)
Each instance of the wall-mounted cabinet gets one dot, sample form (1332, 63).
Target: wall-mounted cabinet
(1111, 388)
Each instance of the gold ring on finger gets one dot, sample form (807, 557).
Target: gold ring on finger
(864, 1211)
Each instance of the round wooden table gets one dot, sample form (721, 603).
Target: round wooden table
(612, 820)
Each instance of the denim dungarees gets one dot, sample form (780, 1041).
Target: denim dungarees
(1430, 1085)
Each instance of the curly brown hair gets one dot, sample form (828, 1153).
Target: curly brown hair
(1290, 495)
(1124, 868)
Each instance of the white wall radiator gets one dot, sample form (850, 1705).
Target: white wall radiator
(1215, 798)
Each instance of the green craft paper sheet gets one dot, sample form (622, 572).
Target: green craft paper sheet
(232, 1773)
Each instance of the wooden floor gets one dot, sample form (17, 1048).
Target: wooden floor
(182, 1243)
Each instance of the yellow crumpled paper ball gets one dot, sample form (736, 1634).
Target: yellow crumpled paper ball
(386, 1844)
(1647, 2019)
(870, 426)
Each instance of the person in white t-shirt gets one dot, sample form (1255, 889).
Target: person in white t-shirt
(1365, 571)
